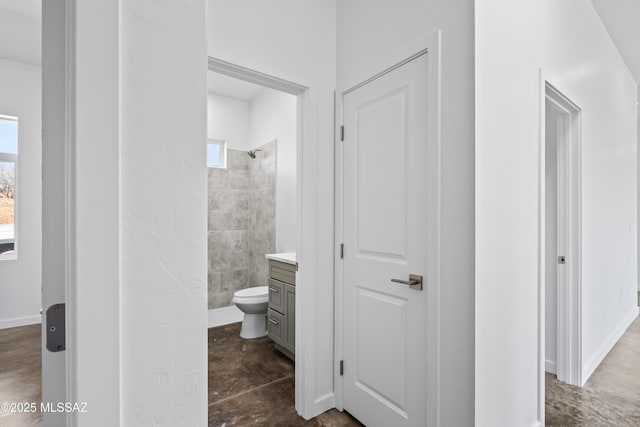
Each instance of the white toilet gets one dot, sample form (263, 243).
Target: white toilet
(253, 302)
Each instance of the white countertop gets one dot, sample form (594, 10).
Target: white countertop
(287, 257)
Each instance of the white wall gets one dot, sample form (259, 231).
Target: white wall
(273, 116)
(228, 120)
(513, 39)
(163, 206)
(21, 31)
(21, 279)
(296, 41)
(373, 35)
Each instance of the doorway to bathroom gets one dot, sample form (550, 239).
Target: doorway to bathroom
(253, 128)
(251, 181)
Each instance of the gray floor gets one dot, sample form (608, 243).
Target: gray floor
(20, 369)
(252, 384)
(611, 397)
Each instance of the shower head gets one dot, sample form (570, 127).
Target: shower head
(252, 153)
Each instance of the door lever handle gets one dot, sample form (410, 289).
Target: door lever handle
(414, 282)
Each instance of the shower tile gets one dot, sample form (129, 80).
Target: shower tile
(228, 199)
(220, 299)
(239, 179)
(218, 178)
(241, 215)
(233, 280)
(211, 295)
(228, 249)
(238, 159)
(228, 220)
(262, 212)
(213, 280)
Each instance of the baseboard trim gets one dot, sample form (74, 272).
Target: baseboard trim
(224, 316)
(604, 349)
(20, 321)
(550, 366)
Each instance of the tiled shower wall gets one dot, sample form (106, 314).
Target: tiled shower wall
(262, 212)
(241, 211)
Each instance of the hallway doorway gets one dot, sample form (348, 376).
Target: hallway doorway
(562, 217)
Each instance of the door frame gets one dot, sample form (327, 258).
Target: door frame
(569, 303)
(72, 175)
(431, 46)
(304, 367)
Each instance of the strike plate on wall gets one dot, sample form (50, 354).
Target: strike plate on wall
(56, 328)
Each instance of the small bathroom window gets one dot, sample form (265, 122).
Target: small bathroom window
(8, 161)
(216, 154)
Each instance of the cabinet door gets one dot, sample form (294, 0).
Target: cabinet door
(290, 310)
(276, 296)
(277, 327)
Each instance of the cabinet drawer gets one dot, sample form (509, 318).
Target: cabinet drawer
(275, 322)
(282, 271)
(276, 295)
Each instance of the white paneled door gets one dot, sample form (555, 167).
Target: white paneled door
(387, 203)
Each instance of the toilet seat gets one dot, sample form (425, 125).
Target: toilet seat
(254, 295)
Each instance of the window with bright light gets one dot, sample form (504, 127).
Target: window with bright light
(216, 154)
(8, 162)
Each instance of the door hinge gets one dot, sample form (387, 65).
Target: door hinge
(341, 250)
(341, 133)
(341, 367)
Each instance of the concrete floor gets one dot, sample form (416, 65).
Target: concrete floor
(250, 383)
(611, 396)
(20, 372)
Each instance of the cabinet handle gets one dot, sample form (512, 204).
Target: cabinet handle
(272, 289)
(275, 322)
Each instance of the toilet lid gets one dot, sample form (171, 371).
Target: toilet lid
(255, 291)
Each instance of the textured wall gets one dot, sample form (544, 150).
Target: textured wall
(241, 228)
(162, 217)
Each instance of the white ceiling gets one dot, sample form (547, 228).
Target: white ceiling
(20, 39)
(622, 20)
(231, 87)
(31, 8)
(20, 31)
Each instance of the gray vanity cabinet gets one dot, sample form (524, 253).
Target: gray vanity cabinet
(282, 307)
